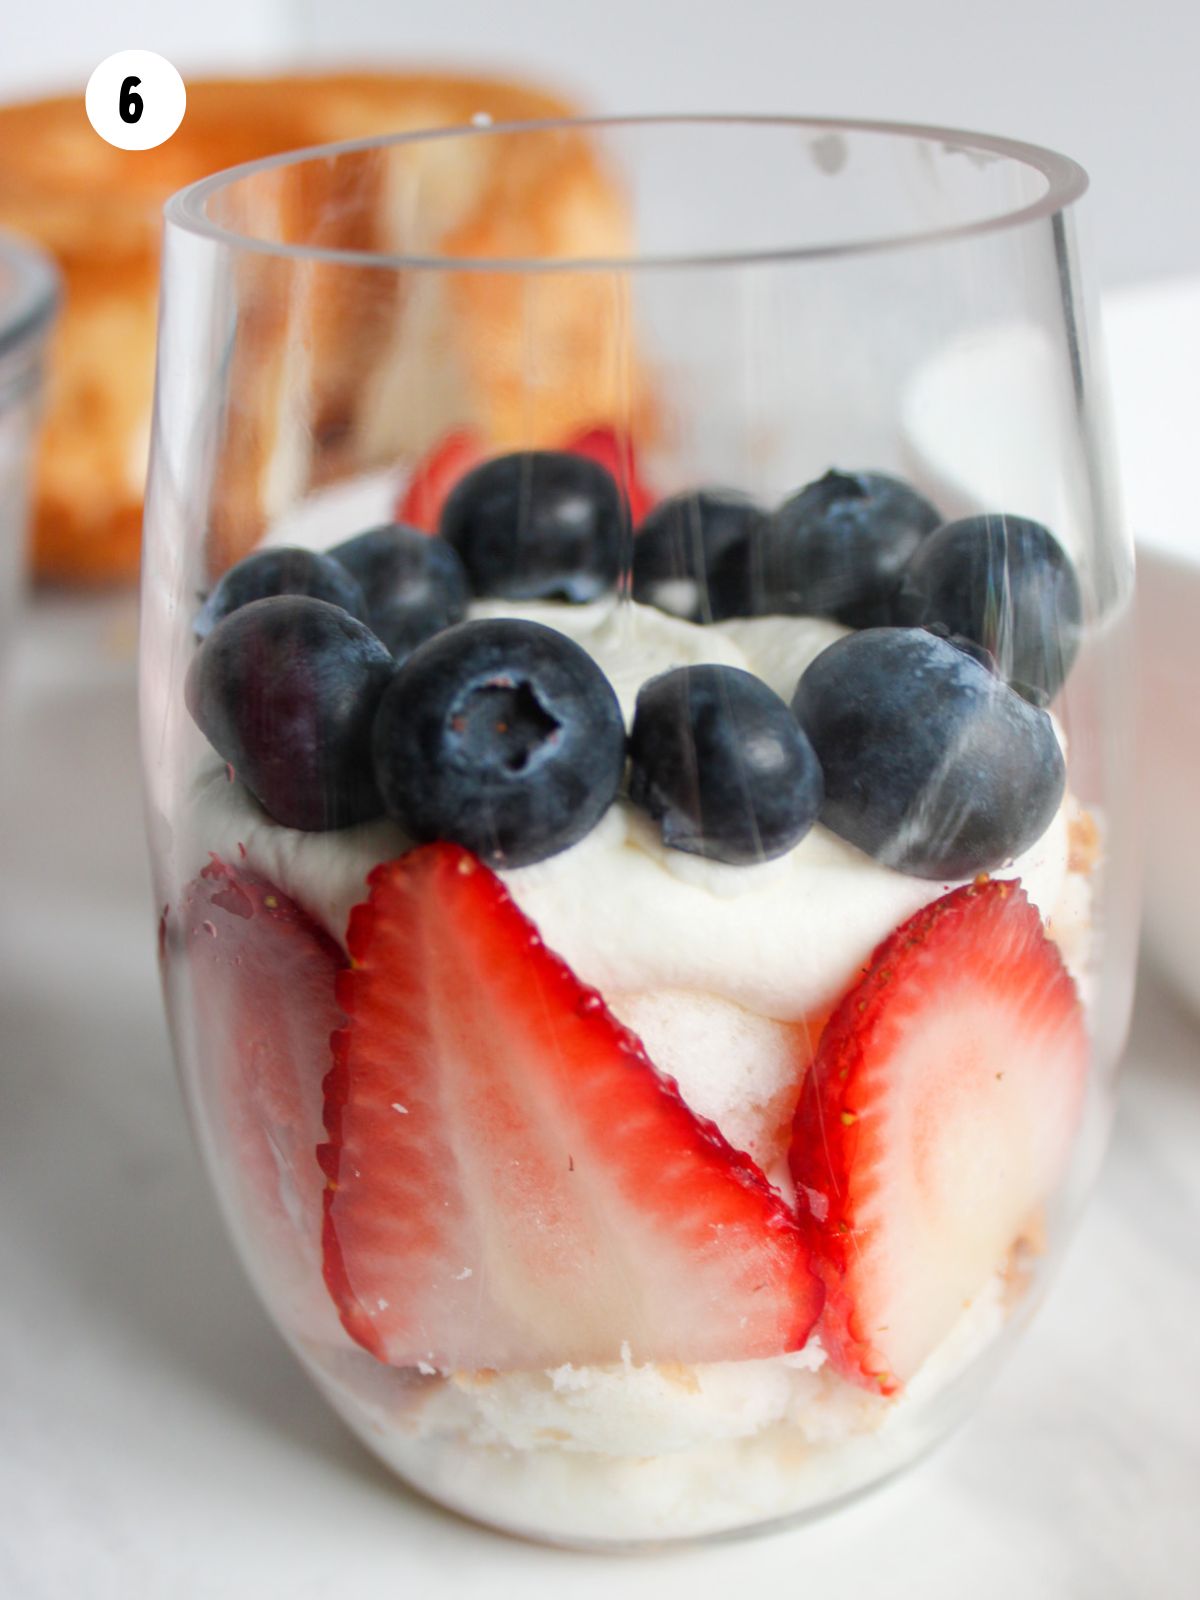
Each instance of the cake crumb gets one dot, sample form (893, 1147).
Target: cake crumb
(682, 1376)
(482, 1378)
(1083, 838)
(1018, 1270)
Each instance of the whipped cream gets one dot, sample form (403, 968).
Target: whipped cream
(781, 938)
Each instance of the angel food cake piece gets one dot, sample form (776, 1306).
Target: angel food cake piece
(700, 1055)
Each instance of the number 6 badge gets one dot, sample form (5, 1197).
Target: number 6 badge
(135, 99)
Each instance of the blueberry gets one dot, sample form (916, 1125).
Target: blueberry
(502, 735)
(283, 570)
(537, 525)
(1007, 584)
(932, 765)
(679, 545)
(286, 690)
(718, 760)
(836, 549)
(414, 585)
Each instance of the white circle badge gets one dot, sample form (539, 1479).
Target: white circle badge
(135, 99)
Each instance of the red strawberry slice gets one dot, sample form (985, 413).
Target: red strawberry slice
(936, 1118)
(511, 1184)
(614, 451)
(420, 505)
(264, 1007)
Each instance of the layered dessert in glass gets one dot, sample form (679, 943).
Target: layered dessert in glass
(637, 934)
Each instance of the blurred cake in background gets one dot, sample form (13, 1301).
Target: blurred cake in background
(339, 371)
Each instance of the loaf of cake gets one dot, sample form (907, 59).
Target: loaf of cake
(336, 369)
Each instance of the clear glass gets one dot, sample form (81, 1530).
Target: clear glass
(28, 297)
(548, 1288)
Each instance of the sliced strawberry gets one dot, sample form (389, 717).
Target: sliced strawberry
(614, 451)
(511, 1184)
(263, 981)
(936, 1117)
(420, 506)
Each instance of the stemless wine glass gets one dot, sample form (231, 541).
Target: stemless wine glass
(647, 965)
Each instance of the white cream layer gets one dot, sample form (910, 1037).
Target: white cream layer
(781, 939)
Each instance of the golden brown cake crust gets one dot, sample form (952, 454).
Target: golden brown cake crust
(97, 209)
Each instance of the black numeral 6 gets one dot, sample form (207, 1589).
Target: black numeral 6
(130, 104)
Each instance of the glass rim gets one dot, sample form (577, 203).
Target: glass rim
(33, 293)
(1066, 182)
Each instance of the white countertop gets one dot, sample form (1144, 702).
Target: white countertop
(157, 1440)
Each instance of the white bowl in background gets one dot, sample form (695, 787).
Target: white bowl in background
(978, 424)
(1152, 333)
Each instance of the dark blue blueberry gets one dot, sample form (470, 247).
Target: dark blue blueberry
(286, 690)
(678, 548)
(837, 549)
(283, 570)
(1007, 584)
(502, 735)
(414, 585)
(932, 764)
(718, 760)
(537, 525)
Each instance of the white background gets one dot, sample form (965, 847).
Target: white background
(1110, 82)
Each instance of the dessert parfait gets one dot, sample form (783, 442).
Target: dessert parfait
(635, 956)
